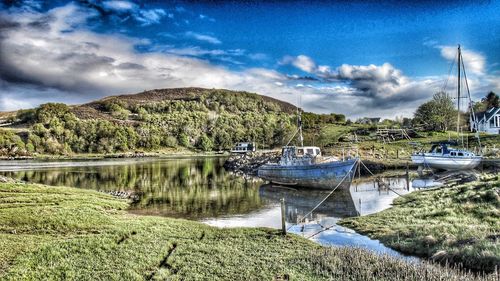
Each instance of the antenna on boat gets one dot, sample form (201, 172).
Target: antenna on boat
(299, 125)
(299, 112)
(458, 92)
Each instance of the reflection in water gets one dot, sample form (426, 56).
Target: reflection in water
(200, 188)
(364, 197)
(189, 188)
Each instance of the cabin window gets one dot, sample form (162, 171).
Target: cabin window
(300, 151)
(310, 151)
(460, 154)
(453, 154)
(317, 151)
(439, 150)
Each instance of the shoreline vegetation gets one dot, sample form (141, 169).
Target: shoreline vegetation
(455, 224)
(206, 121)
(51, 232)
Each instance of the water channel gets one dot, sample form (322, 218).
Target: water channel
(198, 188)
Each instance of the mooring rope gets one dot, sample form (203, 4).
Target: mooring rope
(358, 168)
(326, 197)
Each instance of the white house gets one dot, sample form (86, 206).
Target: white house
(488, 121)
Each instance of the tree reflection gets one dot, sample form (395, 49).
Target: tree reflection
(188, 188)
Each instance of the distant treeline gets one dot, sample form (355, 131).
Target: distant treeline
(312, 120)
(211, 121)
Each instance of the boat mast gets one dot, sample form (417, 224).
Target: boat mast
(299, 123)
(458, 92)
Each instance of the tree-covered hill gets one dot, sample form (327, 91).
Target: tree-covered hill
(195, 118)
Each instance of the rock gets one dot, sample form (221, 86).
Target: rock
(6, 180)
(248, 164)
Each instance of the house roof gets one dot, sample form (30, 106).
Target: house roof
(488, 114)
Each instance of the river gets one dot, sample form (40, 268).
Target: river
(198, 188)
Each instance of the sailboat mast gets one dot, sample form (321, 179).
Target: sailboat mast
(458, 92)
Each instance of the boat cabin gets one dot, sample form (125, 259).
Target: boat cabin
(244, 147)
(442, 149)
(294, 155)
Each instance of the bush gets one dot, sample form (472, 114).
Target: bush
(205, 143)
(169, 141)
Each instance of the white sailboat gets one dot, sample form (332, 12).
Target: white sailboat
(441, 156)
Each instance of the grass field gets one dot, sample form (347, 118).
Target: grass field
(334, 137)
(59, 233)
(459, 224)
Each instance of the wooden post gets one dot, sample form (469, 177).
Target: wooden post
(283, 222)
(407, 177)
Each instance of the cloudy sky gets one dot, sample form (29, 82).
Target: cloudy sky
(355, 58)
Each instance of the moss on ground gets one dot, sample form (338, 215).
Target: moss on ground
(454, 224)
(59, 233)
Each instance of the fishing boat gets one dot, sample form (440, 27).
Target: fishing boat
(441, 156)
(305, 166)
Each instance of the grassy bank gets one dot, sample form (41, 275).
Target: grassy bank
(55, 233)
(454, 224)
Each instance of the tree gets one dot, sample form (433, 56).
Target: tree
(489, 101)
(437, 114)
(205, 143)
(492, 100)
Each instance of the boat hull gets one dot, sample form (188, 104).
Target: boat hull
(321, 176)
(447, 162)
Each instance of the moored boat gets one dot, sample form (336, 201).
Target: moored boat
(440, 155)
(304, 166)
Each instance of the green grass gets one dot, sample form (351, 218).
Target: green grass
(454, 224)
(332, 138)
(59, 233)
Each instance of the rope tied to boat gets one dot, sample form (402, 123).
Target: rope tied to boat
(326, 197)
(358, 168)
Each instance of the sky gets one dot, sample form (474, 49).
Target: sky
(358, 58)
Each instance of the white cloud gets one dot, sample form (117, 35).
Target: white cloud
(474, 61)
(301, 62)
(202, 37)
(120, 5)
(58, 59)
(130, 9)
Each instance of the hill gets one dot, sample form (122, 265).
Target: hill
(194, 118)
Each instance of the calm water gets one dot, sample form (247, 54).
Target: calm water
(200, 189)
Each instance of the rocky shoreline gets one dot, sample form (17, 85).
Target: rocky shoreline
(248, 164)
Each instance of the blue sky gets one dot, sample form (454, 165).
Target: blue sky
(356, 58)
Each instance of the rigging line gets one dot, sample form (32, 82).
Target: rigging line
(474, 119)
(294, 134)
(449, 74)
(322, 230)
(322, 201)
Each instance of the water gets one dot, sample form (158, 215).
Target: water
(200, 189)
